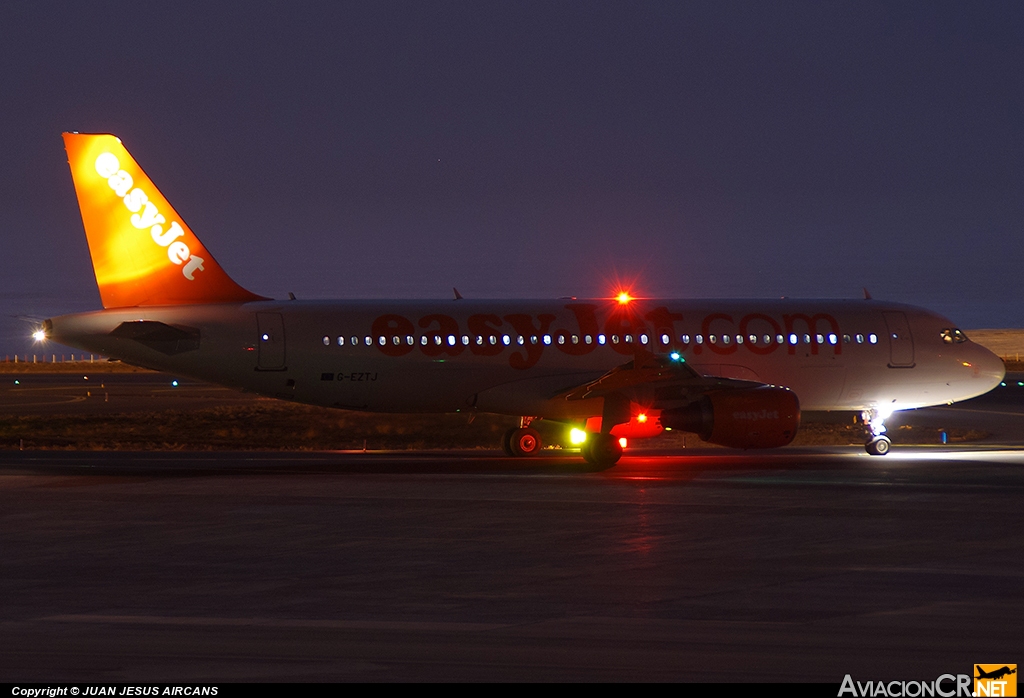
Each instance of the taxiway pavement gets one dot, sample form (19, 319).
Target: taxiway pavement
(802, 564)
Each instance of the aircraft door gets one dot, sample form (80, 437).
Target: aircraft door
(901, 341)
(270, 341)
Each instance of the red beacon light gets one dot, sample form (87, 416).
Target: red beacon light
(623, 297)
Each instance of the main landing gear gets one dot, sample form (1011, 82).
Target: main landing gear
(602, 450)
(524, 441)
(878, 443)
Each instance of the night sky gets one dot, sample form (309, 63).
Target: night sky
(534, 149)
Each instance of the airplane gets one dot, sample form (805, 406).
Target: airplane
(994, 674)
(737, 373)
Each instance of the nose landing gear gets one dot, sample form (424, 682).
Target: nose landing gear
(878, 444)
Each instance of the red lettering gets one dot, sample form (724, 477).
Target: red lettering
(811, 326)
(623, 322)
(529, 353)
(394, 329)
(718, 346)
(485, 326)
(446, 327)
(745, 330)
(587, 322)
(664, 322)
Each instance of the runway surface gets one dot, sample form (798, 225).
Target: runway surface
(793, 565)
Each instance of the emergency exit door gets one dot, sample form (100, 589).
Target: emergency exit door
(901, 341)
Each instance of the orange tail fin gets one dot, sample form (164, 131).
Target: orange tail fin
(142, 251)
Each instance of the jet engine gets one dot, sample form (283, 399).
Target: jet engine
(762, 417)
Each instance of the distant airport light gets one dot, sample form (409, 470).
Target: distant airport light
(577, 436)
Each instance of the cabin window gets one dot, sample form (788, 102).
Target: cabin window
(665, 339)
(575, 339)
(726, 339)
(846, 339)
(533, 339)
(396, 340)
(860, 339)
(833, 339)
(873, 338)
(644, 339)
(615, 339)
(561, 339)
(451, 340)
(547, 339)
(382, 340)
(327, 341)
(520, 340)
(793, 339)
(587, 339)
(410, 340)
(628, 339)
(355, 341)
(699, 339)
(684, 338)
(506, 340)
(820, 338)
(601, 339)
(341, 341)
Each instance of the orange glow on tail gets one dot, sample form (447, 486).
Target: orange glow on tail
(143, 253)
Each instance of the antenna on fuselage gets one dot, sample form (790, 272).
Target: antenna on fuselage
(867, 294)
(458, 296)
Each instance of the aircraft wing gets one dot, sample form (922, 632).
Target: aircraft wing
(725, 411)
(658, 383)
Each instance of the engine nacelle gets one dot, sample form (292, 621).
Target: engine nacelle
(764, 417)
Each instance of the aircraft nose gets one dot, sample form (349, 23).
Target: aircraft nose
(988, 368)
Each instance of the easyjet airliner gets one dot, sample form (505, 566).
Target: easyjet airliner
(735, 372)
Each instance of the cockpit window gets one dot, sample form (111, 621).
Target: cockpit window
(952, 335)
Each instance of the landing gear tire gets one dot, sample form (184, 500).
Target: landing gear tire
(878, 446)
(602, 450)
(524, 441)
(506, 441)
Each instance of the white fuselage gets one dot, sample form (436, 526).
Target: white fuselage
(514, 357)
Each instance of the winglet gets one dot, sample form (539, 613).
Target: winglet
(143, 253)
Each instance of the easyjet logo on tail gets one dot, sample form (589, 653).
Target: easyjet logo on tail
(145, 215)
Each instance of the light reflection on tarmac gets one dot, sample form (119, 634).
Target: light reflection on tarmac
(801, 564)
(704, 566)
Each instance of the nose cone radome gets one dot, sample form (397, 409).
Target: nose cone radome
(987, 369)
